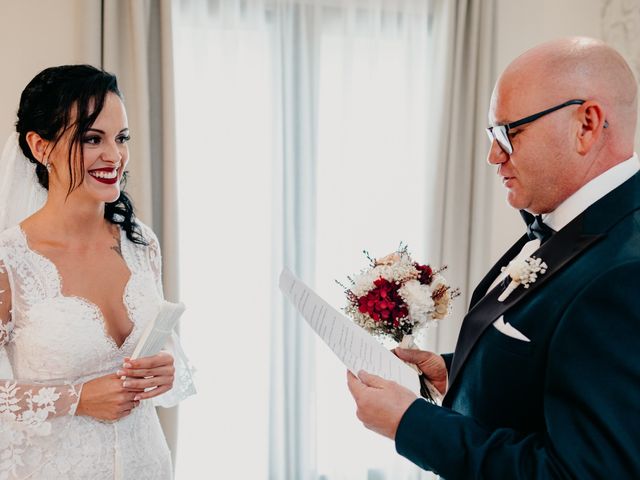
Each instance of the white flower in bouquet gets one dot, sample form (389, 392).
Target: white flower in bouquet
(418, 298)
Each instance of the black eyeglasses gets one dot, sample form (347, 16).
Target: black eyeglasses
(500, 133)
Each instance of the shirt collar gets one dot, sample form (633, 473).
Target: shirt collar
(591, 192)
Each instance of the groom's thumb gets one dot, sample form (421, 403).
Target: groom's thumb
(410, 355)
(371, 380)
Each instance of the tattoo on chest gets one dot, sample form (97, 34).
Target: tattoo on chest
(118, 246)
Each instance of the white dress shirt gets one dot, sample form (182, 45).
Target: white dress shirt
(577, 203)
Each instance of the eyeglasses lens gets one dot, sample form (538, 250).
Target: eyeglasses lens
(502, 137)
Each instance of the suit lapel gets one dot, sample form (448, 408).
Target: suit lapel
(556, 253)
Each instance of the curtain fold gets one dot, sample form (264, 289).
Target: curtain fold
(461, 205)
(295, 46)
(137, 47)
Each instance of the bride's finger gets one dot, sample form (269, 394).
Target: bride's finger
(147, 372)
(153, 393)
(159, 360)
(147, 382)
(133, 390)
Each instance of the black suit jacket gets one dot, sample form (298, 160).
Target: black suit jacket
(567, 403)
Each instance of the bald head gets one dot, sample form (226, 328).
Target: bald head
(583, 68)
(552, 156)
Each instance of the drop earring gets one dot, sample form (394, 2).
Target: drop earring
(47, 165)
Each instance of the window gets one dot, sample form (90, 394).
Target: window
(372, 185)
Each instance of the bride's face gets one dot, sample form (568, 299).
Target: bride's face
(106, 154)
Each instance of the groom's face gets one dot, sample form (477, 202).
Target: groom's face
(536, 173)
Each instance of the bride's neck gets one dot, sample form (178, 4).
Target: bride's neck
(71, 221)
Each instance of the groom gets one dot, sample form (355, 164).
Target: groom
(546, 383)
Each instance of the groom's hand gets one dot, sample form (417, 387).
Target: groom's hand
(430, 364)
(381, 403)
(154, 375)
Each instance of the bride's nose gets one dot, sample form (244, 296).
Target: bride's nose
(112, 153)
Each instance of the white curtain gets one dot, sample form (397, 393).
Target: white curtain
(462, 203)
(308, 131)
(295, 30)
(227, 143)
(137, 46)
(246, 113)
(375, 122)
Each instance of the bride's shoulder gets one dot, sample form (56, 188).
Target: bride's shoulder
(11, 246)
(11, 236)
(149, 236)
(151, 246)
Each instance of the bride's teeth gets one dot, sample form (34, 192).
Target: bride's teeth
(106, 175)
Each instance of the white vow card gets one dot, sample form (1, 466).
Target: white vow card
(157, 332)
(356, 348)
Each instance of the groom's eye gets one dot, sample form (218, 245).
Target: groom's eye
(514, 133)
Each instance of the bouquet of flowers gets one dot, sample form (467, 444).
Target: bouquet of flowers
(396, 297)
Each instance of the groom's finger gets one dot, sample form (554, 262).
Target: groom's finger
(356, 387)
(371, 380)
(410, 355)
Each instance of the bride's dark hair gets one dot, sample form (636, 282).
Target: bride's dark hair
(71, 97)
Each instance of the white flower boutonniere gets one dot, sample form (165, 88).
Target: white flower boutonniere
(522, 272)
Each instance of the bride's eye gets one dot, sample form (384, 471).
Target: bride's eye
(91, 140)
(123, 139)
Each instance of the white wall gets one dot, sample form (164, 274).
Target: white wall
(522, 24)
(35, 34)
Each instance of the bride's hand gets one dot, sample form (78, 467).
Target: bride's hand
(155, 373)
(105, 398)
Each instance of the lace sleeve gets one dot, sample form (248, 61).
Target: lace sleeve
(155, 260)
(32, 414)
(6, 326)
(183, 385)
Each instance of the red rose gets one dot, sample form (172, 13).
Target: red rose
(383, 303)
(425, 274)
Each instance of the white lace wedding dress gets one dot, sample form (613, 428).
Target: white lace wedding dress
(52, 344)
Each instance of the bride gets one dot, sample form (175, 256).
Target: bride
(79, 280)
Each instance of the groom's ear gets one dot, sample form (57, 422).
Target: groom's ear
(38, 146)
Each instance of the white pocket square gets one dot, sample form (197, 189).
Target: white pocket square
(509, 330)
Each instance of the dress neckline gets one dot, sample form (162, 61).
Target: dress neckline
(98, 311)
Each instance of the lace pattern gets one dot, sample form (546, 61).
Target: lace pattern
(6, 329)
(62, 342)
